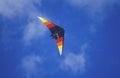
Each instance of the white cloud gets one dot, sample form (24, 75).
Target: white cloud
(75, 62)
(95, 10)
(92, 5)
(11, 8)
(30, 65)
(33, 30)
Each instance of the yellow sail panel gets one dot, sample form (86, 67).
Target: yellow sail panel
(59, 42)
(43, 20)
(60, 49)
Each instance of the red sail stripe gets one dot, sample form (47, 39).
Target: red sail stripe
(59, 39)
(50, 25)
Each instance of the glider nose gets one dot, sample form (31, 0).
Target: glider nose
(40, 18)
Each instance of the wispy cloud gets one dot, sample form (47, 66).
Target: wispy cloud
(91, 5)
(29, 65)
(95, 9)
(33, 30)
(11, 8)
(75, 62)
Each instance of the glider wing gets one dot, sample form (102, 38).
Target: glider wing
(57, 33)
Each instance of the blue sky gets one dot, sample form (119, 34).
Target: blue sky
(91, 48)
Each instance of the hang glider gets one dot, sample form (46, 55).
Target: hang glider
(57, 33)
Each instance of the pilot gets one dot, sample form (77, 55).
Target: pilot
(55, 35)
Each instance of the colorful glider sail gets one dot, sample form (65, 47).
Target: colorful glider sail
(57, 33)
